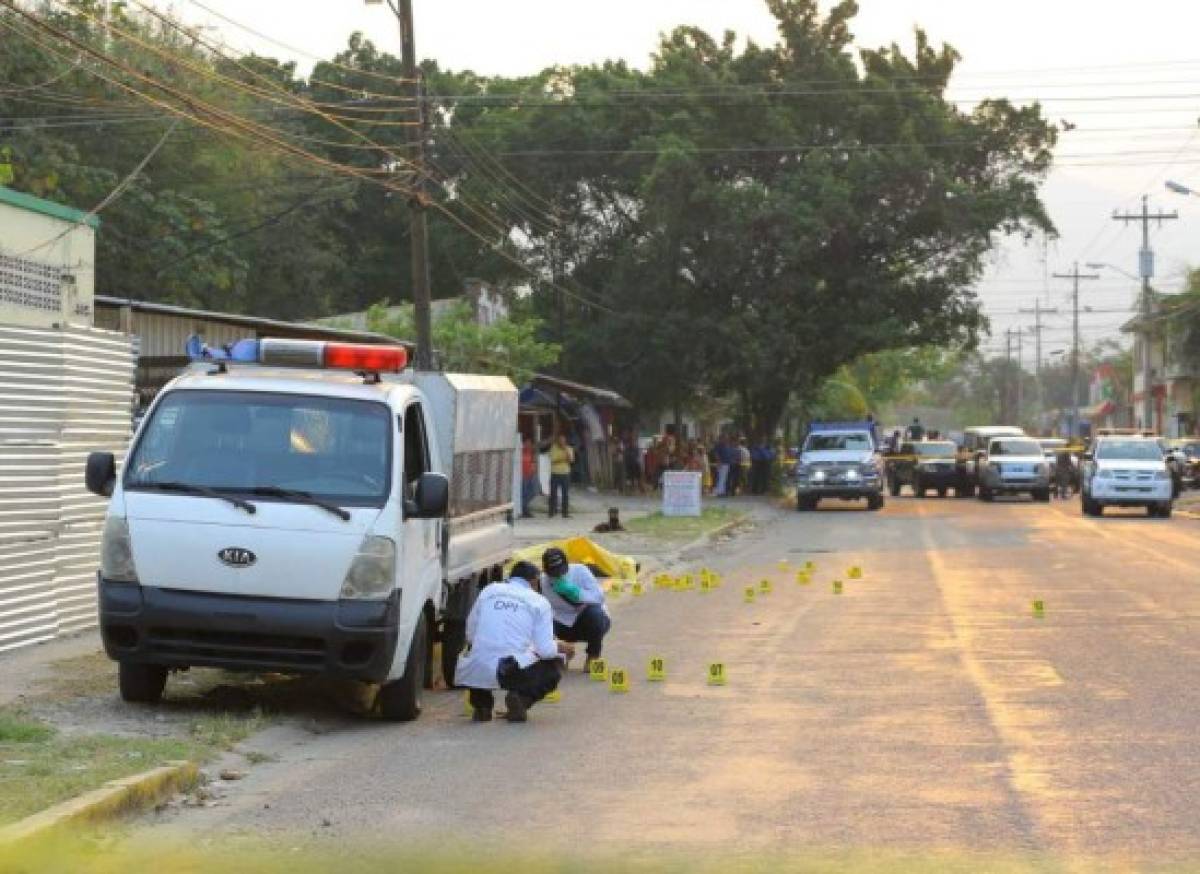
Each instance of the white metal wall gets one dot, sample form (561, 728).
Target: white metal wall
(63, 394)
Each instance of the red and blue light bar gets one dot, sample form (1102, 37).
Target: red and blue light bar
(312, 354)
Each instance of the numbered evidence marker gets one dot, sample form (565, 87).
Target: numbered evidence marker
(837, 587)
(764, 586)
(809, 566)
(618, 680)
(1039, 610)
(716, 674)
(803, 578)
(855, 573)
(656, 669)
(749, 594)
(598, 670)
(638, 591)
(706, 585)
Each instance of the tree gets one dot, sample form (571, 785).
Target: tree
(509, 346)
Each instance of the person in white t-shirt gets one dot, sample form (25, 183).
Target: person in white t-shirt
(580, 614)
(511, 646)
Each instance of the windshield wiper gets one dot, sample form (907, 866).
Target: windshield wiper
(203, 491)
(302, 497)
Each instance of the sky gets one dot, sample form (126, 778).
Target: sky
(1126, 75)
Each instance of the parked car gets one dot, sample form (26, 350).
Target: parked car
(924, 465)
(839, 460)
(1126, 471)
(1190, 449)
(1012, 466)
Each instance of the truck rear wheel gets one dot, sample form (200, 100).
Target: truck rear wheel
(141, 684)
(454, 638)
(400, 700)
(875, 502)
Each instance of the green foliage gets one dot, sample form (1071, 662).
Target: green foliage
(508, 346)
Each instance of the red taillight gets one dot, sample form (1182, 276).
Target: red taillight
(377, 359)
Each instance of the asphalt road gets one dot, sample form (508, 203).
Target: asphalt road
(924, 709)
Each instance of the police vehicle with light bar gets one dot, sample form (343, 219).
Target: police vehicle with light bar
(839, 460)
(305, 507)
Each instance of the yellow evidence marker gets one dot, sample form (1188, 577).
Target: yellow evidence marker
(764, 586)
(705, 585)
(837, 587)
(749, 594)
(803, 578)
(468, 710)
(638, 591)
(656, 669)
(855, 573)
(1039, 610)
(783, 563)
(716, 674)
(598, 670)
(809, 566)
(553, 696)
(618, 680)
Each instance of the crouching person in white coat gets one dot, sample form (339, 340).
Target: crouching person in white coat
(511, 646)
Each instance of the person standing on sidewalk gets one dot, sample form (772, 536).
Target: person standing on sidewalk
(577, 600)
(510, 632)
(562, 457)
(529, 478)
(724, 459)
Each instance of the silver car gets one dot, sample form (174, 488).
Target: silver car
(1013, 466)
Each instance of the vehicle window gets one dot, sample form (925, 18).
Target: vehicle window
(337, 449)
(1132, 450)
(826, 442)
(416, 449)
(935, 450)
(1014, 447)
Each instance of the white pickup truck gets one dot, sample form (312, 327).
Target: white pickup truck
(306, 507)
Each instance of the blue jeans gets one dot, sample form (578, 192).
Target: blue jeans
(590, 626)
(560, 483)
(529, 489)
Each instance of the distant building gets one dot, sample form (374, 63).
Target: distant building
(488, 303)
(1174, 377)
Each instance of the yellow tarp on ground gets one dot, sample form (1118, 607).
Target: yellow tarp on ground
(581, 550)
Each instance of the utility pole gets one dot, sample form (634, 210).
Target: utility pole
(1038, 311)
(419, 201)
(1146, 271)
(1076, 276)
(1020, 375)
(1006, 390)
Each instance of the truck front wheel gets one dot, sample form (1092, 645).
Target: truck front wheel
(141, 684)
(400, 700)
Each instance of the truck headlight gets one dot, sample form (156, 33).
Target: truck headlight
(819, 476)
(853, 475)
(116, 552)
(372, 574)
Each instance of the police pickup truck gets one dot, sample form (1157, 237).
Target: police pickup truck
(308, 508)
(839, 460)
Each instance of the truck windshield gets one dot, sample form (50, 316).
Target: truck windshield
(1130, 450)
(935, 450)
(825, 442)
(335, 449)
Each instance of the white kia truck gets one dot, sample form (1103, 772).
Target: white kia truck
(1121, 471)
(305, 507)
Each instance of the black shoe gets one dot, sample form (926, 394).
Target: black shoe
(517, 708)
(482, 714)
(566, 515)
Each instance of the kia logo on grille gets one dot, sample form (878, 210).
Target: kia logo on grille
(235, 556)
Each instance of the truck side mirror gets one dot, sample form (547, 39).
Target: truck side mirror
(432, 499)
(100, 475)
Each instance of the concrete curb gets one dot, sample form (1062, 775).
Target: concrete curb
(114, 799)
(716, 532)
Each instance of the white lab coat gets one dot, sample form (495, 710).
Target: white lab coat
(590, 592)
(508, 619)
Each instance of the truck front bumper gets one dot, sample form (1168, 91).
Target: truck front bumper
(846, 490)
(1013, 484)
(179, 629)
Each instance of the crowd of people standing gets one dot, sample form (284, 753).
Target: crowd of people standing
(729, 467)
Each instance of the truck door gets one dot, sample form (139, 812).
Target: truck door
(421, 561)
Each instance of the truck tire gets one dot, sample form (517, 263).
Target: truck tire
(806, 504)
(918, 487)
(1091, 508)
(985, 494)
(965, 491)
(400, 700)
(875, 502)
(1042, 496)
(454, 638)
(141, 684)
(942, 492)
(1164, 511)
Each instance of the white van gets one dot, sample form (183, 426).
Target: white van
(306, 507)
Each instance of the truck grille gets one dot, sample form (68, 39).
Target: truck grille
(238, 647)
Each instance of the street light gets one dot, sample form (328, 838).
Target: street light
(1180, 188)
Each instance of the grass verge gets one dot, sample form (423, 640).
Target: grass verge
(40, 767)
(683, 527)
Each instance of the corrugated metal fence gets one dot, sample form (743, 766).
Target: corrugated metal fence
(63, 394)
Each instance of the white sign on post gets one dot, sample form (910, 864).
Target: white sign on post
(681, 493)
